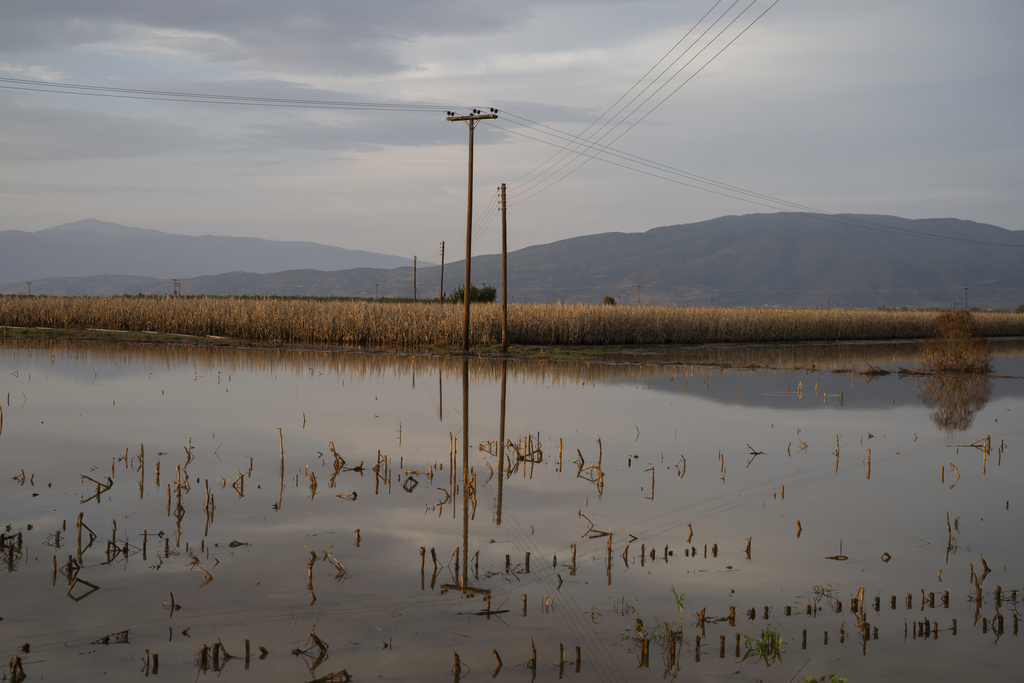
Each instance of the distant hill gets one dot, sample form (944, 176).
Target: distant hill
(90, 247)
(784, 259)
(781, 259)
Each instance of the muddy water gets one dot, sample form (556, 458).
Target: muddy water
(654, 513)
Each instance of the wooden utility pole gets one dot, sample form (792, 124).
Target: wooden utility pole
(471, 120)
(414, 279)
(441, 297)
(505, 289)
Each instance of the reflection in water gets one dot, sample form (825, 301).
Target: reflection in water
(954, 400)
(501, 439)
(465, 473)
(634, 367)
(608, 554)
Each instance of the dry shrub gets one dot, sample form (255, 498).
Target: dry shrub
(956, 346)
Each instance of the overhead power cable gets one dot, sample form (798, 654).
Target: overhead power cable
(535, 172)
(583, 159)
(704, 184)
(214, 98)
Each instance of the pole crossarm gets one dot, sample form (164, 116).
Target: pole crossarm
(477, 115)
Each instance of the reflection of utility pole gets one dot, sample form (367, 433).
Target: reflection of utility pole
(465, 473)
(501, 438)
(471, 120)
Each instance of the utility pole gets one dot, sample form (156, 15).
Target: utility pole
(471, 120)
(414, 279)
(441, 297)
(376, 291)
(965, 298)
(638, 295)
(504, 272)
(29, 283)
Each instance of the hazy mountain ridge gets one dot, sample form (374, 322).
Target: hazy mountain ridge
(90, 247)
(784, 259)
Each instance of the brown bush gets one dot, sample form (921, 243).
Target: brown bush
(956, 346)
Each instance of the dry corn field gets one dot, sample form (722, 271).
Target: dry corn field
(367, 323)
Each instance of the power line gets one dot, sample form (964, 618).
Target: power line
(724, 189)
(550, 159)
(586, 159)
(215, 98)
(594, 148)
(704, 184)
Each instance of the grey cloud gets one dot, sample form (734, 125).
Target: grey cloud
(43, 133)
(351, 36)
(94, 188)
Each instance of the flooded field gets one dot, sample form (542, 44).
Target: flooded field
(260, 515)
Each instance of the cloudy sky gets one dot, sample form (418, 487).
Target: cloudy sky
(613, 115)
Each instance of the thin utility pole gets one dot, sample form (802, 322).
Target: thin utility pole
(471, 120)
(414, 279)
(505, 289)
(441, 297)
(638, 295)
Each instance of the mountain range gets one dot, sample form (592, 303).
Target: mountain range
(779, 259)
(90, 247)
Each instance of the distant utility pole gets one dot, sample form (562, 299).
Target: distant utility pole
(504, 271)
(376, 291)
(414, 279)
(471, 120)
(965, 298)
(638, 295)
(29, 283)
(441, 297)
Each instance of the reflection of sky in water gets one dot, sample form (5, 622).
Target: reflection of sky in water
(72, 413)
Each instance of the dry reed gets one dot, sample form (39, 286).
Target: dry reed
(379, 324)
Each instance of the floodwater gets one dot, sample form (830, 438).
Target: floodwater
(284, 515)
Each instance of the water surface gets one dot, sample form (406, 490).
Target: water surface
(761, 498)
